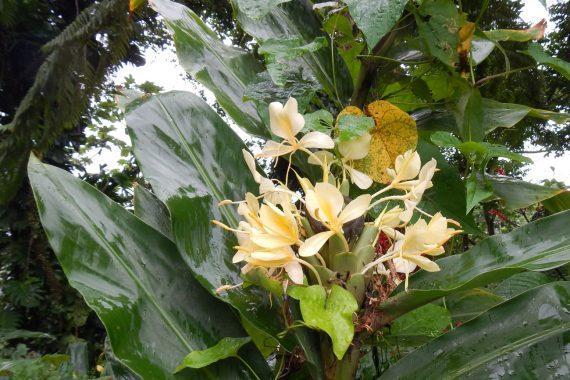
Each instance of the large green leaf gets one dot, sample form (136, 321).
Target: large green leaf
(506, 115)
(525, 337)
(438, 25)
(519, 283)
(468, 112)
(225, 70)
(519, 194)
(429, 320)
(540, 56)
(537, 246)
(375, 17)
(468, 304)
(193, 160)
(558, 203)
(133, 277)
(297, 20)
(152, 211)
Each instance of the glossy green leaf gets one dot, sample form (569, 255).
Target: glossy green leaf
(279, 52)
(468, 113)
(520, 283)
(505, 115)
(476, 192)
(519, 194)
(152, 211)
(351, 127)
(321, 121)
(375, 17)
(540, 56)
(448, 193)
(133, 277)
(224, 70)
(558, 203)
(193, 160)
(332, 313)
(429, 320)
(537, 246)
(445, 139)
(256, 9)
(468, 304)
(225, 348)
(264, 91)
(438, 24)
(297, 20)
(526, 336)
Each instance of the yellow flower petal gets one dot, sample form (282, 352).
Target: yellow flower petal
(312, 245)
(355, 209)
(317, 140)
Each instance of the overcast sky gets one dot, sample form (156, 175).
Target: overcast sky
(163, 69)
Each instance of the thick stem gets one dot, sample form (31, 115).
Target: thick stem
(344, 369)
(368, 69)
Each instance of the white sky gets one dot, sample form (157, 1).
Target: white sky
(162, 68)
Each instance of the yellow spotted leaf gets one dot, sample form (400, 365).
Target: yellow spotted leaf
(395, 133)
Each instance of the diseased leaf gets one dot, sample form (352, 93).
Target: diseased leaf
(225, 348)
(540, 56)
(481, 48)
(526, 336)
(279, 53)
(256, 9)
(395, 133)
(332, 313)
(351, 127)
(439, 23)
(537, 246)
(535, 32)
(375, 17)
(519, 194)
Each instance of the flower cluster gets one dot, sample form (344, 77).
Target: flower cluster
(283, 231)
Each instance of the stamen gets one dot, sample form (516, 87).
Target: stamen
(225, 288)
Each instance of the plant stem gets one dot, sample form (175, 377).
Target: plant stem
(248, 366)
(488, 78)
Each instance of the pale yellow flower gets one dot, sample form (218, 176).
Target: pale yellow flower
(286, 122)
(325, 203)
(406, 167)
(420, 239)
(275, 194)
(279, 228)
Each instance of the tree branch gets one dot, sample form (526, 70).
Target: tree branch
(369, 67)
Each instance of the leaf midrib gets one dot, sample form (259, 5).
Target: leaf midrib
(230, 218)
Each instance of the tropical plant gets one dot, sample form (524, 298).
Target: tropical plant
(336, 281)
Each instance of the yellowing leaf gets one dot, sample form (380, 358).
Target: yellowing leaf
(135, 4)
(535, 32)
(395, 133)
(465, 37)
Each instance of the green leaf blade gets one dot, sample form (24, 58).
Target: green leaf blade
(154, 311)
(225, 348)
(537, 246)
(525, 335)
(332, 313)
